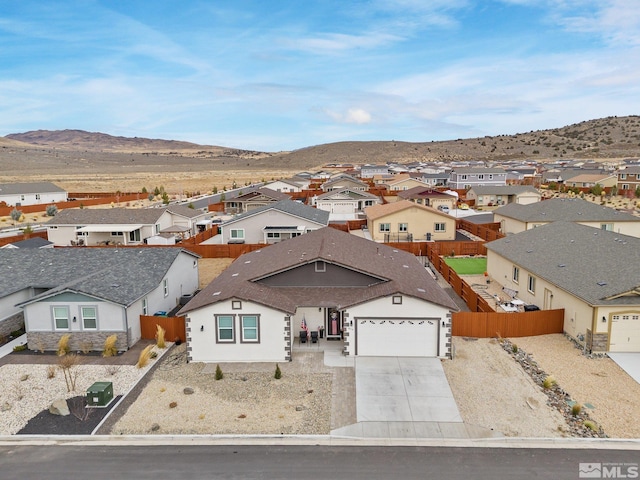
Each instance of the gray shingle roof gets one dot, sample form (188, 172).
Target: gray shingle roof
(118, 275)
(22, 188)
(106, 216)
(34, 242)
(291, 207)
(404, 274)
(480, 170)
(184, 211)
(590, 263)
(559, 209)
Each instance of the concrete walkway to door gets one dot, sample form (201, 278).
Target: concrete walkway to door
(405, 397)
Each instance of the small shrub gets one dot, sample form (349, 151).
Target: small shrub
(51, 211)
(549, 382)
(591, 425)
(51, 371)
(219, 374)
(110, 349)
(20, 348)
(67, 364)
(278, 374)
(86, 347)
(514, 348)
(112, 369)
(153, 355)
(17, 333)
(160, 341)
(144, 357)
(201, 416)
(63, 345)
(576, 409)
(242, 415)
(173, 404)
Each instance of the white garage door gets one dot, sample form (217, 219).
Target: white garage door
(343, 207)
(397, 338)
(625, 333)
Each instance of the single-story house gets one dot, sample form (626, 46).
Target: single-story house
(370, 171)
(343, 181)
(593, 274)
(254, 198)
(406, 182)
(288, 185)
(345, 202)
(429, 197)
(91, 293)
(408, 221)
(38, 193)
(589, 181)
(373, 299)
(515, 218)
(273, 223)
(125, 226)
(488, 197)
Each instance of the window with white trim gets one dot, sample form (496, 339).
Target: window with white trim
(440, 227)
(89, 318)
(320, 266)
(607, 226)
(531, 284)
(236, 234)
(165, 287)
(250, 328)
(623, 176)
(134, 236)
(145, 306)
(61, 318)
(224, 329)
(515, 274)
(403, 227)
(273, 234)
(385, 227)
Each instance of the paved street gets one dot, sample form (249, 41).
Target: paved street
(302, 462)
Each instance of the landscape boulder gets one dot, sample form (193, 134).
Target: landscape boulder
(59, 407)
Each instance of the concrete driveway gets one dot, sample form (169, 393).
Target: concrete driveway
(629, 362)
(406, 397)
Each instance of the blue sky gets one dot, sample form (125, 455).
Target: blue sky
(282, 75)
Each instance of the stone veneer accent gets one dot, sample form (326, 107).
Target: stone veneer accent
(448, 353)
(187, 322)
(287, 339)
(596, 342)
(11, 324)
(93, 341)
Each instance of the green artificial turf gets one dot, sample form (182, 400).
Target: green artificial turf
(468, 266)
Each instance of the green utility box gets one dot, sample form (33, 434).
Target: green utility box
(100, 394)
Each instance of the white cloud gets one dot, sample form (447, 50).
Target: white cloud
(356, 116)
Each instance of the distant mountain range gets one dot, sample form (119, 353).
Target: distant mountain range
(611, 137)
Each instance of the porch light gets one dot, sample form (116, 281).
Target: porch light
(202, 328)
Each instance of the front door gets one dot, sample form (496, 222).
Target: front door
(334, 324)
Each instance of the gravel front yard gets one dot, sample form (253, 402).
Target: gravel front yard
(599, 381)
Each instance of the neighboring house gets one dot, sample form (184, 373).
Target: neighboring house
(428, 197)
(273, 223)
(405, 183)
(498, 196)
(185, 221)
(91, 293)
(19, 194)
(562, 175)
(370, 171)
(287, 185)
(255, 198)
(628, 180)
(373, 299)
(29, 243)
(590, 180)
(344, 182)
(100, 226)
(435, 179)
(590, 273)
(516, 218)
(465, 178)
(408, 221)
(345, 202)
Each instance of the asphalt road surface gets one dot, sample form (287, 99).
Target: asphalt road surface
(193, 462)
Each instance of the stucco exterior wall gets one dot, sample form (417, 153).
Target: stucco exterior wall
(274, 334)
(253, 226)
(31, 198)
(419, 222)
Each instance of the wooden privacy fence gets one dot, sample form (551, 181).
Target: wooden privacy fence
(174, 327)
(85, 202)
(508, 325)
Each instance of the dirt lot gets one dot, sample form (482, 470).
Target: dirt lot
(210, 268)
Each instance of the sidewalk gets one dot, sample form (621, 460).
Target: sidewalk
(7, 348)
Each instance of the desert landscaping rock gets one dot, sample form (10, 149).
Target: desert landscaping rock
(188, 391)
(59, 407)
